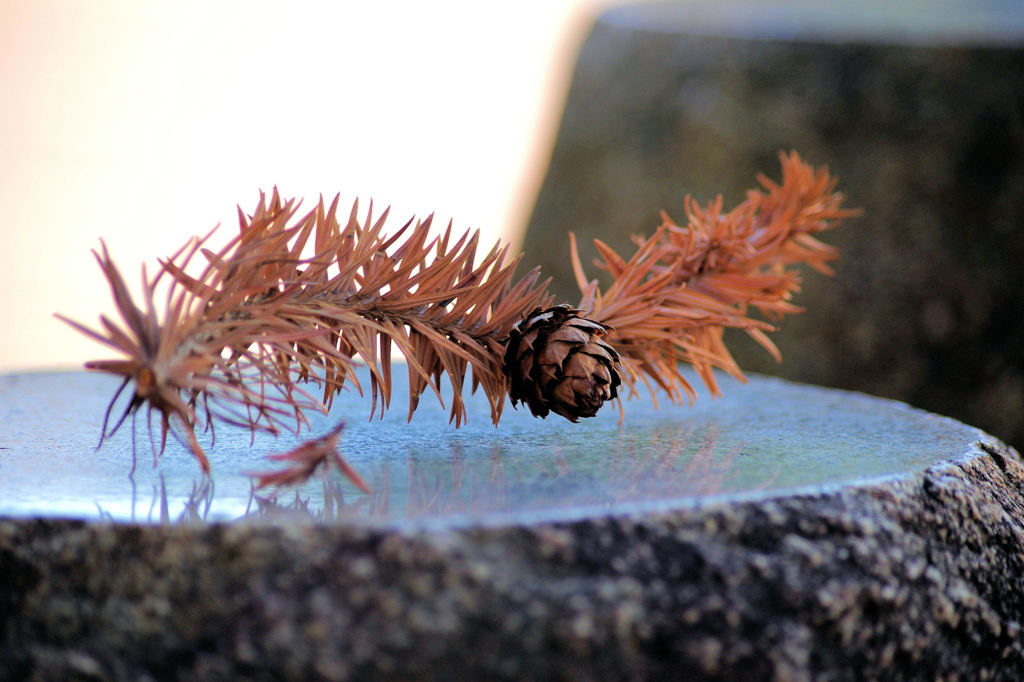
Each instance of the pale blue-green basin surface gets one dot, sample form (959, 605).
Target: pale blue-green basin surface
(765, 437)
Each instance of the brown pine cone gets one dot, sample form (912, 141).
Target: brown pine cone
(557, 362)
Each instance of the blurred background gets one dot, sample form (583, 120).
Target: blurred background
(917, 107)
(143, 123)
(146, 123)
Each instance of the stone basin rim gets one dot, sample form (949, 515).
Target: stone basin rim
(967, 443)
(986, 446)
(994, 25)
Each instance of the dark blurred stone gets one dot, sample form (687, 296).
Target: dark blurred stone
(917, 107)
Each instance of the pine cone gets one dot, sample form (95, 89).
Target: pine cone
(557, 362)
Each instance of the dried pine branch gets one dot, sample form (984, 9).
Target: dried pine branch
(237, 340)
(294, 301)
(673, 299)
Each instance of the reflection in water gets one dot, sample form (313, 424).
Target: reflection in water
(457, 489)
(766, 436)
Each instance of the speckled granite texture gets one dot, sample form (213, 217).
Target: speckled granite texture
(919, 578)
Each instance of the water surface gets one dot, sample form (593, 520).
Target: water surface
(762, 438)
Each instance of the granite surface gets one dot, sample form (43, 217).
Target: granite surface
(916, 578)
(915, 571)
(766, 436)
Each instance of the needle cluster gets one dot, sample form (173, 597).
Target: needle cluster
(671, 301)
(274, 323)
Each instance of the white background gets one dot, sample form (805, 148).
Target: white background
(143, 123)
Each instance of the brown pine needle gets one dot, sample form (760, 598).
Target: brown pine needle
(302, 300)
(306, 459)
(671, 301)
(292, 304)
